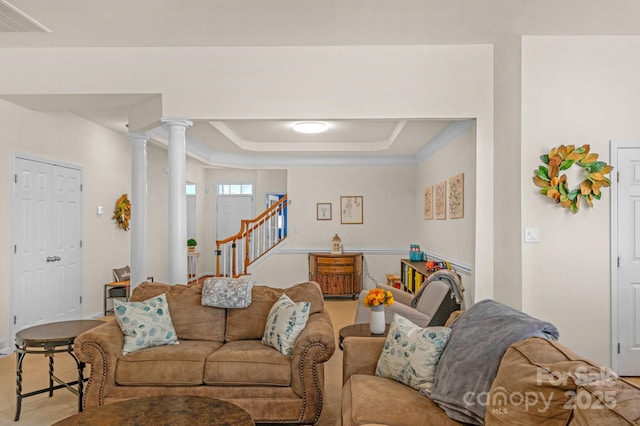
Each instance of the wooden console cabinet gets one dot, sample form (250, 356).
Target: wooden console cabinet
(337, 274)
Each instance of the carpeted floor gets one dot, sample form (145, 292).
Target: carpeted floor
(41, 410)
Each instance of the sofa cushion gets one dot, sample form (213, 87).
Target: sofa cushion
(411, 353)
(536, 383)
(191, 320)
(285, 322)
(145, 324)
(249, 323)
(612, 402)
(179, 365)
(247, 362)
(377, 400)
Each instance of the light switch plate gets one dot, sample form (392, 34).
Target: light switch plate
(531, 235)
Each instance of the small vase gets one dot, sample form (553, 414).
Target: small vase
(376, 320)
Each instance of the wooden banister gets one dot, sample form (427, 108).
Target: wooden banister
(256, 238)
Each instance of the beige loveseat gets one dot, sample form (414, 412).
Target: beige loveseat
(538, 381)
(219, 355)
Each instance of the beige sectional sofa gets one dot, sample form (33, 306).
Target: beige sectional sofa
(538, 381)
(220, 354)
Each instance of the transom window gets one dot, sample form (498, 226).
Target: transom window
(235, 189)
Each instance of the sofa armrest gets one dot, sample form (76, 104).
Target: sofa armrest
(399, 295)
(99, 347)
(314, 346)
(360, 355)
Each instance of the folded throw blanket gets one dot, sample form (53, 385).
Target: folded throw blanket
(447, 276)
(470, 361)
(222, 292)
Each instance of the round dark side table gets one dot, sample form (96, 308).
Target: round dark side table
(168, 410)
(48, 340)
(359, 330)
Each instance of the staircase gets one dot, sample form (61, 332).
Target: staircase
(255, 239)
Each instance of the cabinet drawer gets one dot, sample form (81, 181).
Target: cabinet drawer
(335, 261)
(323, 269)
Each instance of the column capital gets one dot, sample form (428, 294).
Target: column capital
(176, 122)
(137, 136)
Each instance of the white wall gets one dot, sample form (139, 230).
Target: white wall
(575, 90)
(450, 238)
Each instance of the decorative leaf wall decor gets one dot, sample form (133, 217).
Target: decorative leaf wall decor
(122, 212)
(557, 188)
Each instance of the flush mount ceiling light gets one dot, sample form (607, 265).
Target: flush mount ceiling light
(310, 127)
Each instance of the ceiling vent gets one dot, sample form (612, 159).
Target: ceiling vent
(12, 20)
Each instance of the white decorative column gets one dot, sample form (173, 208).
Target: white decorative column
(138, 208)
(178, 273)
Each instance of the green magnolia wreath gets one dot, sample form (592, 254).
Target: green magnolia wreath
(557, 188)
(122, 212)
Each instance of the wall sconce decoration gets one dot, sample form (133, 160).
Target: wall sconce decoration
(122, 212)
(557, 188)
(336, 245)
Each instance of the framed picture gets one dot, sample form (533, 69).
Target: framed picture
(441, 200)
(428, 202)
(351, 209)
(323, 211)
(456, 196)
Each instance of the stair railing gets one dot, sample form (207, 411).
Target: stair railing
(255, 239)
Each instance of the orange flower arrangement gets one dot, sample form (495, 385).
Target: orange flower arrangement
(378, 297)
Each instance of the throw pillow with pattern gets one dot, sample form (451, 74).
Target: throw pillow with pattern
(411, 353)
(285, 322)
(145, 324)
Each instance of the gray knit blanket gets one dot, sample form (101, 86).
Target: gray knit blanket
(470, 361)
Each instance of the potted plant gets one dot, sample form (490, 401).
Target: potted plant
(192, 243)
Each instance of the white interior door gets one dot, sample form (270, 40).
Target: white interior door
(231, 210)
(627, 284)
(46, 227)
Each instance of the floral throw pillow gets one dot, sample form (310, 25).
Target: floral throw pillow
(285, 322)
(411, 353)
(221, 292)
(145, 324)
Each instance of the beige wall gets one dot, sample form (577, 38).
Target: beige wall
(450, 238)
(384, 236)
(104, 157)
(575, 90)
(338, 82)
(295, 82)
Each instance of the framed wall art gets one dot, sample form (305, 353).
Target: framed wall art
(428, 203)
(441, 200)
(456, 196)
(351, 209)
(323, 211)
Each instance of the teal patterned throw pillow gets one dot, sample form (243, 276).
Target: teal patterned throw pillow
(411, 353)
(285, 322)
(145, 324)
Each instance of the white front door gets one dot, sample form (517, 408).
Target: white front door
(627, 285)
(46, 254)
(231, 210)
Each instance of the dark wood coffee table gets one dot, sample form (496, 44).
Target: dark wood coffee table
(359, 330)
(168, 410)
(48, 340)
